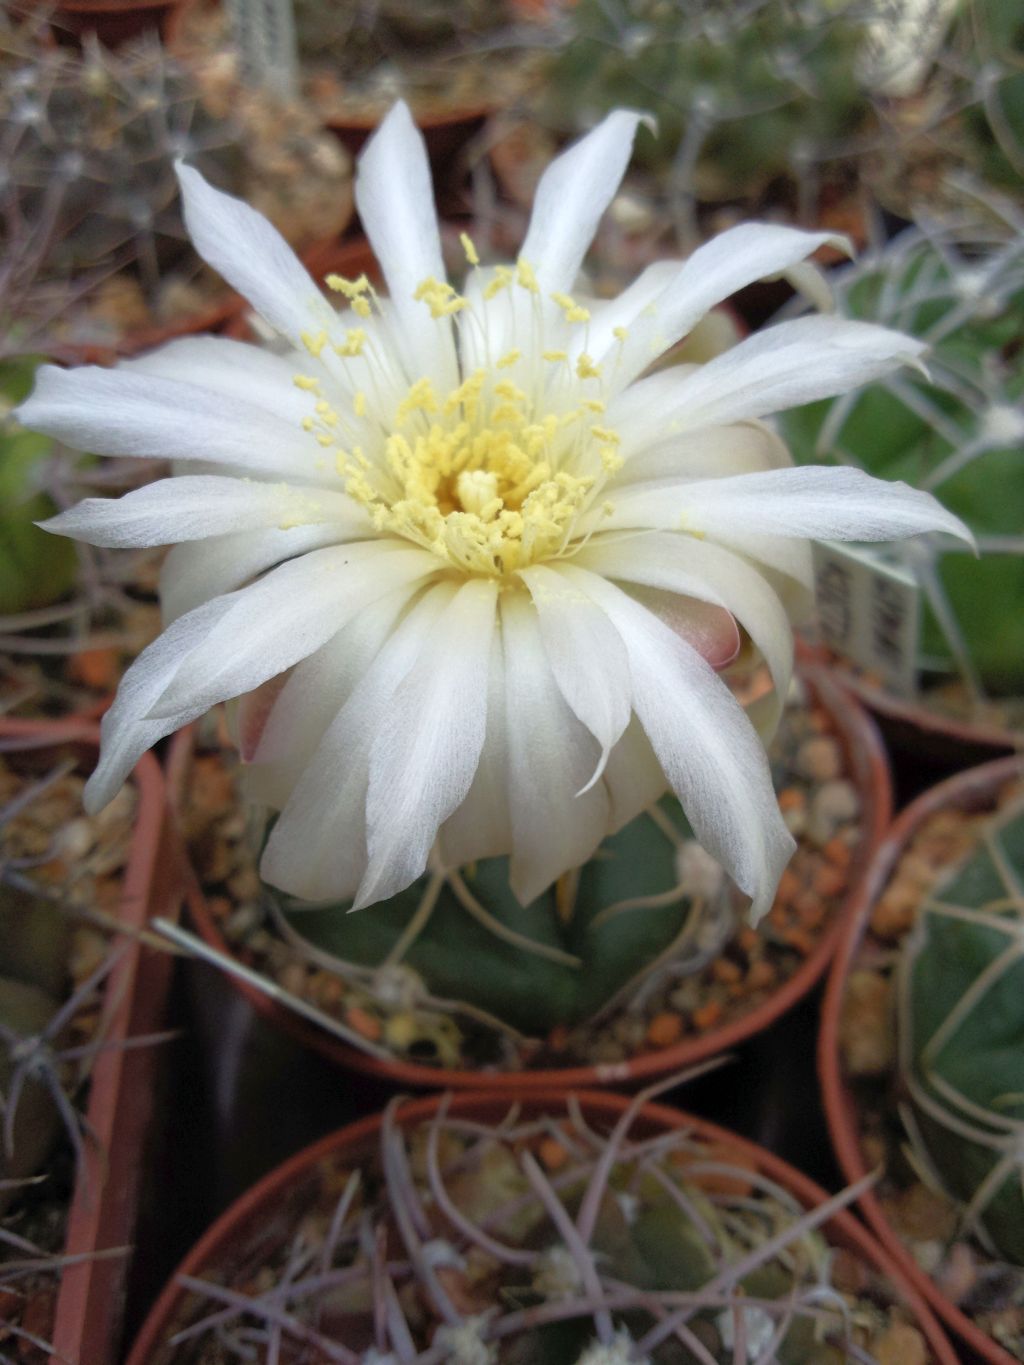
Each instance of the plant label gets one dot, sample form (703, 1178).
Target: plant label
(870, 610)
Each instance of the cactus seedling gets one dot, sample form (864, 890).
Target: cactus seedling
(544, 1240)
(961, 1034)
(957, 432)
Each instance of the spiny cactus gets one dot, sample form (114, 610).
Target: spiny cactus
(31, 574)
(540, 1241)
(89, 142)
(742, 93)
(570, 954)
(961, 1034)
(958, 432)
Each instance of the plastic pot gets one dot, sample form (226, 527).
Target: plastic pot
(349, 1146)
(972, 790)
(113, 21)
(120, 1106)
(869, 771)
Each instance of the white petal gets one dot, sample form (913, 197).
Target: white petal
(550, 758)
(715, 271)
(742, 448)
(289, 613)
(317, 849)
(193, 507)
(572, 195)
(699, 568)
(126, 731)
(633, 777)
(480, 827)
(586, 656)
(313, 693)
(623, 310)
(780, 367)
(252, 256)
(120, 412)
(195, 572)
(396, 205)
(423, 761)
(814, 502)
(236, 369)
(707, 748)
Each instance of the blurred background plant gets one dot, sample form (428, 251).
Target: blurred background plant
(957, 431)
(960, 1001)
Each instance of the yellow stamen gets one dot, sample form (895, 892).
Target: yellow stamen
(472, 256)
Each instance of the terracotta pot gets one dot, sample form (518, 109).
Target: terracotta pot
(869, 771)
(113, 21)
(968, 790)
(105, 1200)
(601, 1109)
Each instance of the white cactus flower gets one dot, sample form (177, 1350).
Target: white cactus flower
(471, 574)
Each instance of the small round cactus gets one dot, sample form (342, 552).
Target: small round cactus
(961, 1034)
(956, 430)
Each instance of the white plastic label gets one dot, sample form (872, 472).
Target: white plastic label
(870, 610)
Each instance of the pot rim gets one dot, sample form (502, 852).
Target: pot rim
(840, 1110)
(105, 1199)
(486, 1105)
(869, 770)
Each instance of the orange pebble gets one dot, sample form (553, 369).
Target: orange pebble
(799, 939)
(748, 939)
(838, 852)
(363, 1023)
(552, 1153)
(761, 975)
(792, 798)
(665, 1029)
(95, 668)
(707, 1016)
(730, 1182)
(789, 886)
(723, 969)
(810, 910)
(829, 880)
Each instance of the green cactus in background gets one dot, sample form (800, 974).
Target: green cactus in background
(961, 1033)
(558, 961)
(33, 571)
(742, 93)
(959, 432)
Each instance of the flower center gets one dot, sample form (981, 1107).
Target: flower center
(488, 477)
(478, 478)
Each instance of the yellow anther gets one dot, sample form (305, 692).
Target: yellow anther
(606, 434)
(619, 333)
(361, 307)
(555, 356)
(509, 359)
(595, 405)
(472, 255)
(355, 340)
(324, 439)
(526, 277)
(359, 404)
(350, 288)
(306, 382)
(508, 390)
(586, 369)
(502, 279)
(307, 424)
(314, 344)
(420, 398)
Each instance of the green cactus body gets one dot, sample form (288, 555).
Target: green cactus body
(759, 86)
(35, 570)
(961, 1033)
(959, 434)
(556, 961)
